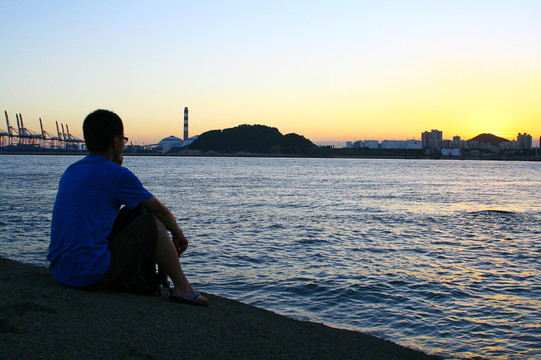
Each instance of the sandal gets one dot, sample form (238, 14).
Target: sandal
(192, 299)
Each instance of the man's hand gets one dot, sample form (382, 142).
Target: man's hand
(162, 213)
(119, 160)
(181, 243)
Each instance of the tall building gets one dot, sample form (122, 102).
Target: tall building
(524, 141)
(458, 143)
(432, 139)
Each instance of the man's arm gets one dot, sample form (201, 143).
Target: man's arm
(168, 219)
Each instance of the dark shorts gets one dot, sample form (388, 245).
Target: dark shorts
(130, 244)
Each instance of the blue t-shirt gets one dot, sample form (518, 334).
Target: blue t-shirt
(89, 197)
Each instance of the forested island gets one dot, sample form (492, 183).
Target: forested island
(254, 139)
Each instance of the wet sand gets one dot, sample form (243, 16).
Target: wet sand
(40, 319)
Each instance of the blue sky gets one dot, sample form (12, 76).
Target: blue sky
(345, 70)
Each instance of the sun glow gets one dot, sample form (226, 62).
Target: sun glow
(367, 74)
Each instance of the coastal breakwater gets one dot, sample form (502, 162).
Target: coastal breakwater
(40, 319)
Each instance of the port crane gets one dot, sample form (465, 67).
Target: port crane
(21, 138)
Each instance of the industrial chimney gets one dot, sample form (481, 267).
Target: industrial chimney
(185, 123)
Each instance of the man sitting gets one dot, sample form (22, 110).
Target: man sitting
(90, 194)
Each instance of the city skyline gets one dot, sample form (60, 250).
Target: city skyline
(435, 136)
(331, 72)
(14, 124)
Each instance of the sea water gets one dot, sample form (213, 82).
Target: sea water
(441, 256)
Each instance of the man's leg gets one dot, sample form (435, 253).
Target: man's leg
(123, 219)
(167, 258)
(132, 244)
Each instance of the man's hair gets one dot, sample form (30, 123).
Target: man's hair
(99, 129)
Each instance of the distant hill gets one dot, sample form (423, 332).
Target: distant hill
(252, 139)
(489, 139)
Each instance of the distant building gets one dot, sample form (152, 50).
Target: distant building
(170, 142)
(355, 144)
(414, 144)
(473, 144)
(458, 143)
(509, 145)
(451, 152)
(393, 144)
(446, 144)
(189, 140)
(432, 139)
(371, 144)
(360, 144)
(400, 144)
(173, 142)
(524, 141)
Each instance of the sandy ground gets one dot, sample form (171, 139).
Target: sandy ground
(40, 319)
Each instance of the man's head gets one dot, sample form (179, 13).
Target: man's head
(100, 128)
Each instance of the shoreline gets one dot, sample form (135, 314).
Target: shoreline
(250, 155)
(40, 318)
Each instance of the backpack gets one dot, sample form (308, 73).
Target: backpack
(142, 278)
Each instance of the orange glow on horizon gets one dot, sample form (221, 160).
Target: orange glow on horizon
(369, 74)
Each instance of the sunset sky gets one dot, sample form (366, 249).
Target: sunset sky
(331, 71)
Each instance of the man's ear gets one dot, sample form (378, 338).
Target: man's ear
(115, 141)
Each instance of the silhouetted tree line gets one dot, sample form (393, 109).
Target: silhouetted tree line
(258, 139)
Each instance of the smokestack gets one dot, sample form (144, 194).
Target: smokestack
(185, 123)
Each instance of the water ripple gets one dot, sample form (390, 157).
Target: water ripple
(438, 256)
